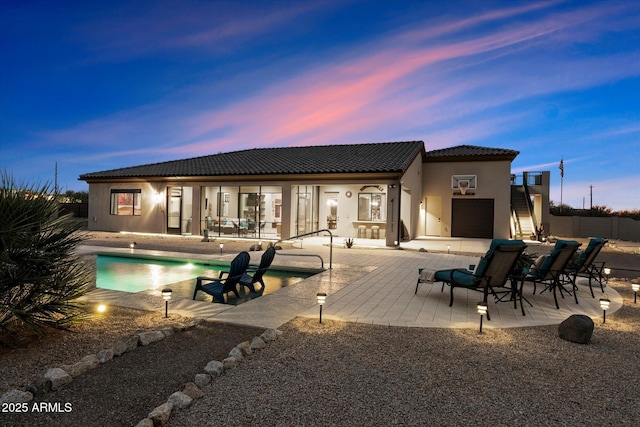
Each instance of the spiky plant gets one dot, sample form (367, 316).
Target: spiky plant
(40, 275)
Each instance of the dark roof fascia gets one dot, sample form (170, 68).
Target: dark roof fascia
(470, 153)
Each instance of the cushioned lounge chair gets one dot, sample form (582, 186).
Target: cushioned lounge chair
(255, 273)
(585, 266)
(492, 271)
(217, 287)
(551, 270)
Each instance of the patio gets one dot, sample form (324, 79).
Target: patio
(374, 286)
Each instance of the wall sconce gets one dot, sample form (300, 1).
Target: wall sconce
(635, 287)
(321, 297)
(221, 246)
(604, 305)
(166, 296)
(482, 310)
(158, 198)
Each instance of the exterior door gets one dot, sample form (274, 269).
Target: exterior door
(472, 218)
(434, 216)
(174, 210)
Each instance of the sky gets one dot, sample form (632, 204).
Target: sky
(99, 85)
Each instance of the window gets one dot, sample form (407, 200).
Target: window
(125, 202)
(372, 207)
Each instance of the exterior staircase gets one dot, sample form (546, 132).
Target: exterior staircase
(521, 214)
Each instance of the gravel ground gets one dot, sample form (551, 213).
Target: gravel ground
(339, 373)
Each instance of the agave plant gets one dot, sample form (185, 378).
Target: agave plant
(40, 276)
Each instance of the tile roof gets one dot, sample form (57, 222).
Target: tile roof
(349, 158)
(470, 153)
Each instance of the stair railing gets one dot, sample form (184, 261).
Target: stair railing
(313, 255)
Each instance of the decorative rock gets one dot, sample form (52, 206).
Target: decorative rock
(193, 391)
(16, 396)
(160, 415)
(180, 400)
(105, 355)
(230, 363)
(168, 332)
(58, 378)
(214, 368)
(270, 335)
(576, 328)
(245, 348)
(236, 353)
(147, 338)
(202, 380)
(132, 342)
(91, 361)
(258, 344)
(119, 348)
(145, 423)
(39, 386)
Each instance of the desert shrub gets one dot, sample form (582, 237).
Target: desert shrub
(40, 275)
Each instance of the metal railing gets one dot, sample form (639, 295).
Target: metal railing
(313, 255)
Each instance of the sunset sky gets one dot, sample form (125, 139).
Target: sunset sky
(97, 85)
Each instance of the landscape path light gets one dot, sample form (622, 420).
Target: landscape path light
(322, 298)
(604, 305)
(221, 246)
(166, 295)
(482, 310)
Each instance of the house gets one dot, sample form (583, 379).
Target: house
(390, 190)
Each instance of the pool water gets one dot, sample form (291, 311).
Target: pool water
(143, 274)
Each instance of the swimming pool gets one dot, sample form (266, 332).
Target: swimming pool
(130, 274)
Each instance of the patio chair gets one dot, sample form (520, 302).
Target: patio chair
(552, 269)
(217, 287)
(585, 266)
(492, 271)
(255, 272)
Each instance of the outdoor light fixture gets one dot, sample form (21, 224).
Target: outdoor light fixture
(607, 272)
(166, 295)
(322, 297)
(482, 310)
(101, 308)
(132, 245)
(221, 246)
(448, 248)
(604, 305)
(636, 288)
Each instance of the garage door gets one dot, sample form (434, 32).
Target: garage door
(472, 218)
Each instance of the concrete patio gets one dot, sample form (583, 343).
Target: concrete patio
(369, 284)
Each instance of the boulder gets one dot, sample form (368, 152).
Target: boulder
(202, 380)
(245, 348)
(270, 335)
(576, 328)
(147, 338)
(16, 396)
(180, 400)
(58, 377)
(258, 344)
(214, 368)
(105, 355)
(192, 390)
(160, 415)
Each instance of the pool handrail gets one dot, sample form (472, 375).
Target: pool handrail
(314, 255)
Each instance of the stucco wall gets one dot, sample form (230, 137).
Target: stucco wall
(150, 220)
(493, 181)
(606, 227)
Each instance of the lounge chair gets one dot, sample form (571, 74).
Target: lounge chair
(255, 272)
(551, 270)
(217, 287)
(492, 271)
(584, 265)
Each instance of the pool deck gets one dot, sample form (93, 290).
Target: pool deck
(368, 284)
